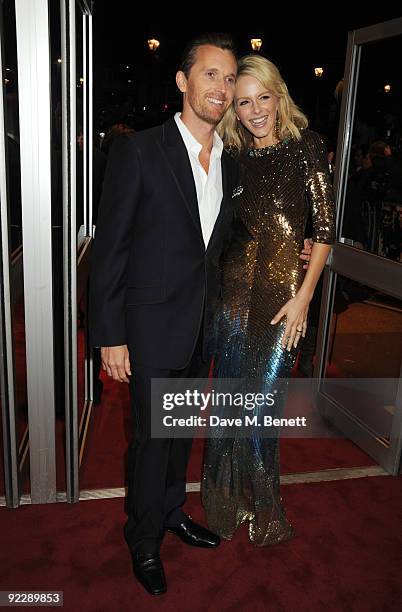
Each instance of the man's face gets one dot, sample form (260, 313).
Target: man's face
(209, 88)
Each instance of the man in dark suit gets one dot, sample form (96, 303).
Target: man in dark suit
(164, 218)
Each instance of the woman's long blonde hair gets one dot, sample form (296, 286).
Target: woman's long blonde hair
(290, 118)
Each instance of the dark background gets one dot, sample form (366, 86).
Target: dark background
(134, 86)
(296, 43)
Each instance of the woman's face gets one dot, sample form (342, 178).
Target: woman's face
(256, 108)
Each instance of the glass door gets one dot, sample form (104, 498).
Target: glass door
(359, 350)
(14, 456)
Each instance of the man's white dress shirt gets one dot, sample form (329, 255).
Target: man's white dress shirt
(208, 186)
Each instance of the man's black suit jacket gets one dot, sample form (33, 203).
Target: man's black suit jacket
(153, 283)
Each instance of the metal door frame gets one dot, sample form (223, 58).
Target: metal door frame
(33, 55)
(75, 261)
(7, 369)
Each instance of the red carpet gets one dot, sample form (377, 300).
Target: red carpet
(104, 462)
(346, 556)
(109, 433)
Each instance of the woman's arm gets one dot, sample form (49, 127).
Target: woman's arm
(296, 309)
(320, 196)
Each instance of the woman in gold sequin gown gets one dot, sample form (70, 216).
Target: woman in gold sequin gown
(266, 292)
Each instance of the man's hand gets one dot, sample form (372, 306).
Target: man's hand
(116, 362)
(306, 252)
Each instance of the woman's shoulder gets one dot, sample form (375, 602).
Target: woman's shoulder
(308, 136)
(311, 143)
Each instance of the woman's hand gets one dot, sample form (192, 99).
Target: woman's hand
(295, 311)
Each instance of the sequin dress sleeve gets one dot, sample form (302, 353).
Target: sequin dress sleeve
(318, 187)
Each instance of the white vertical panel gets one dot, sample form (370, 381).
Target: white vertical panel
(89, 378)
(85, 120)
(32, 24)
(90, 121)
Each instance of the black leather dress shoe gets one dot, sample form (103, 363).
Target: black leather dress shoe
(149, 571)
(194, 534)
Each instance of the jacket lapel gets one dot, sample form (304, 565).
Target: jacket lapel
(227, 189)
(175, 153)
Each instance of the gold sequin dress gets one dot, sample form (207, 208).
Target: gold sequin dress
(261, 272)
